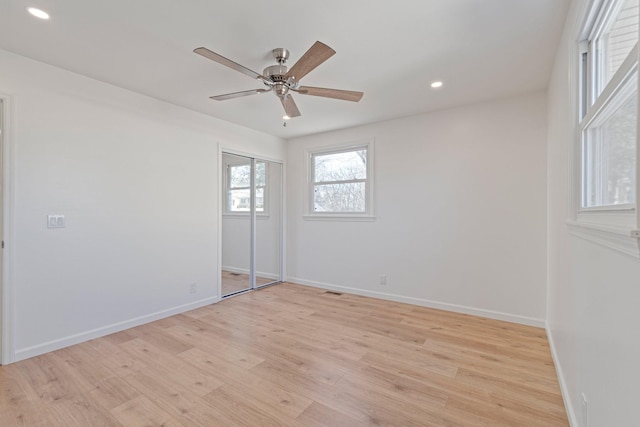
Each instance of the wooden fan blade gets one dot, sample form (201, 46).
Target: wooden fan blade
(290, 107)
(229, 63)
(316, 55)
(346, 95)
(238, 94)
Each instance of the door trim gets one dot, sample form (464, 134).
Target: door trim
(7, 331)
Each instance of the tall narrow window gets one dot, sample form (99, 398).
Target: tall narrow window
(340, 181)
(610, 108)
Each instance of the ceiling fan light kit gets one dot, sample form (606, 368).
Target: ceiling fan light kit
(281, 81)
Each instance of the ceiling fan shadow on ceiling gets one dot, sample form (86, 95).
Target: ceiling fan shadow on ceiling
(282, 81)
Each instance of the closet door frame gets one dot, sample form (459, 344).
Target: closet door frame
(221, 209)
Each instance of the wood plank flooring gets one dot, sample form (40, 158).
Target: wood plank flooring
(290, 355)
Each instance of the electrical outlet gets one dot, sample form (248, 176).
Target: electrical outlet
(383, 280)
(193, 288)
(583, 405)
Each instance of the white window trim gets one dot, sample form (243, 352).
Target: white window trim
(264, 214)
(620, 239)
(369, 214)
(615, 227)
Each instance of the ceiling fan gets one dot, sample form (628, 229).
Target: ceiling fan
(283, 81)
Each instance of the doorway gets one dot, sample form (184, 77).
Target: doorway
(251, 228)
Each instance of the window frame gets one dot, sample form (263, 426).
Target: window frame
(227, 186)
(309, 211)
(613, 226)
(613, 96)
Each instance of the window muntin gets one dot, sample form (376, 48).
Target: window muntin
(340, 182)
(609, 113)
(239, 187)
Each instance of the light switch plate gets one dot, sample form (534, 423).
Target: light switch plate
(55, 221)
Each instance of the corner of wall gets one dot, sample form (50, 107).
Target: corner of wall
(564, 389)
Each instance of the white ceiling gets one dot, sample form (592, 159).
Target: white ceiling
(481, 49)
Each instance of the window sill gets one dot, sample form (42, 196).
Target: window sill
(623, 208)
(338, 217)
(621, 239)
(244, 216)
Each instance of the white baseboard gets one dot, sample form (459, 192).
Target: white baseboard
(246, 271)
(46, 347)
(513, 318)
(566, 397)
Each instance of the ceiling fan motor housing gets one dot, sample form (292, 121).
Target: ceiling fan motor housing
(276, 73)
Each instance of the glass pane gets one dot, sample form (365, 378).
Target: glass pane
(268, 228)
(239, 176)
(618, 39)
(610, 157)
(349, 197)
(261, 175)
(340, 166)
(239, 200)
(259, 199)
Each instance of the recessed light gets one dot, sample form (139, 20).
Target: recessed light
(38, 13)
(285, 117)
(436, 85)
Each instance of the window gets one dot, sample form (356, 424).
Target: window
(610, 98)
(340, 182)
(239, 185)
(605, 188)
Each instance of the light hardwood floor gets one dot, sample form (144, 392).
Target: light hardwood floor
(290, 355)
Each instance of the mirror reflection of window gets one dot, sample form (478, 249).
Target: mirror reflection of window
(238, 187)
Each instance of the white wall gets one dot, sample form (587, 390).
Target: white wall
(593, 292)
(461, 212)
(137, 180)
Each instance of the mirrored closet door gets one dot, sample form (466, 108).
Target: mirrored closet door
(251, 223)
(268, 235)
